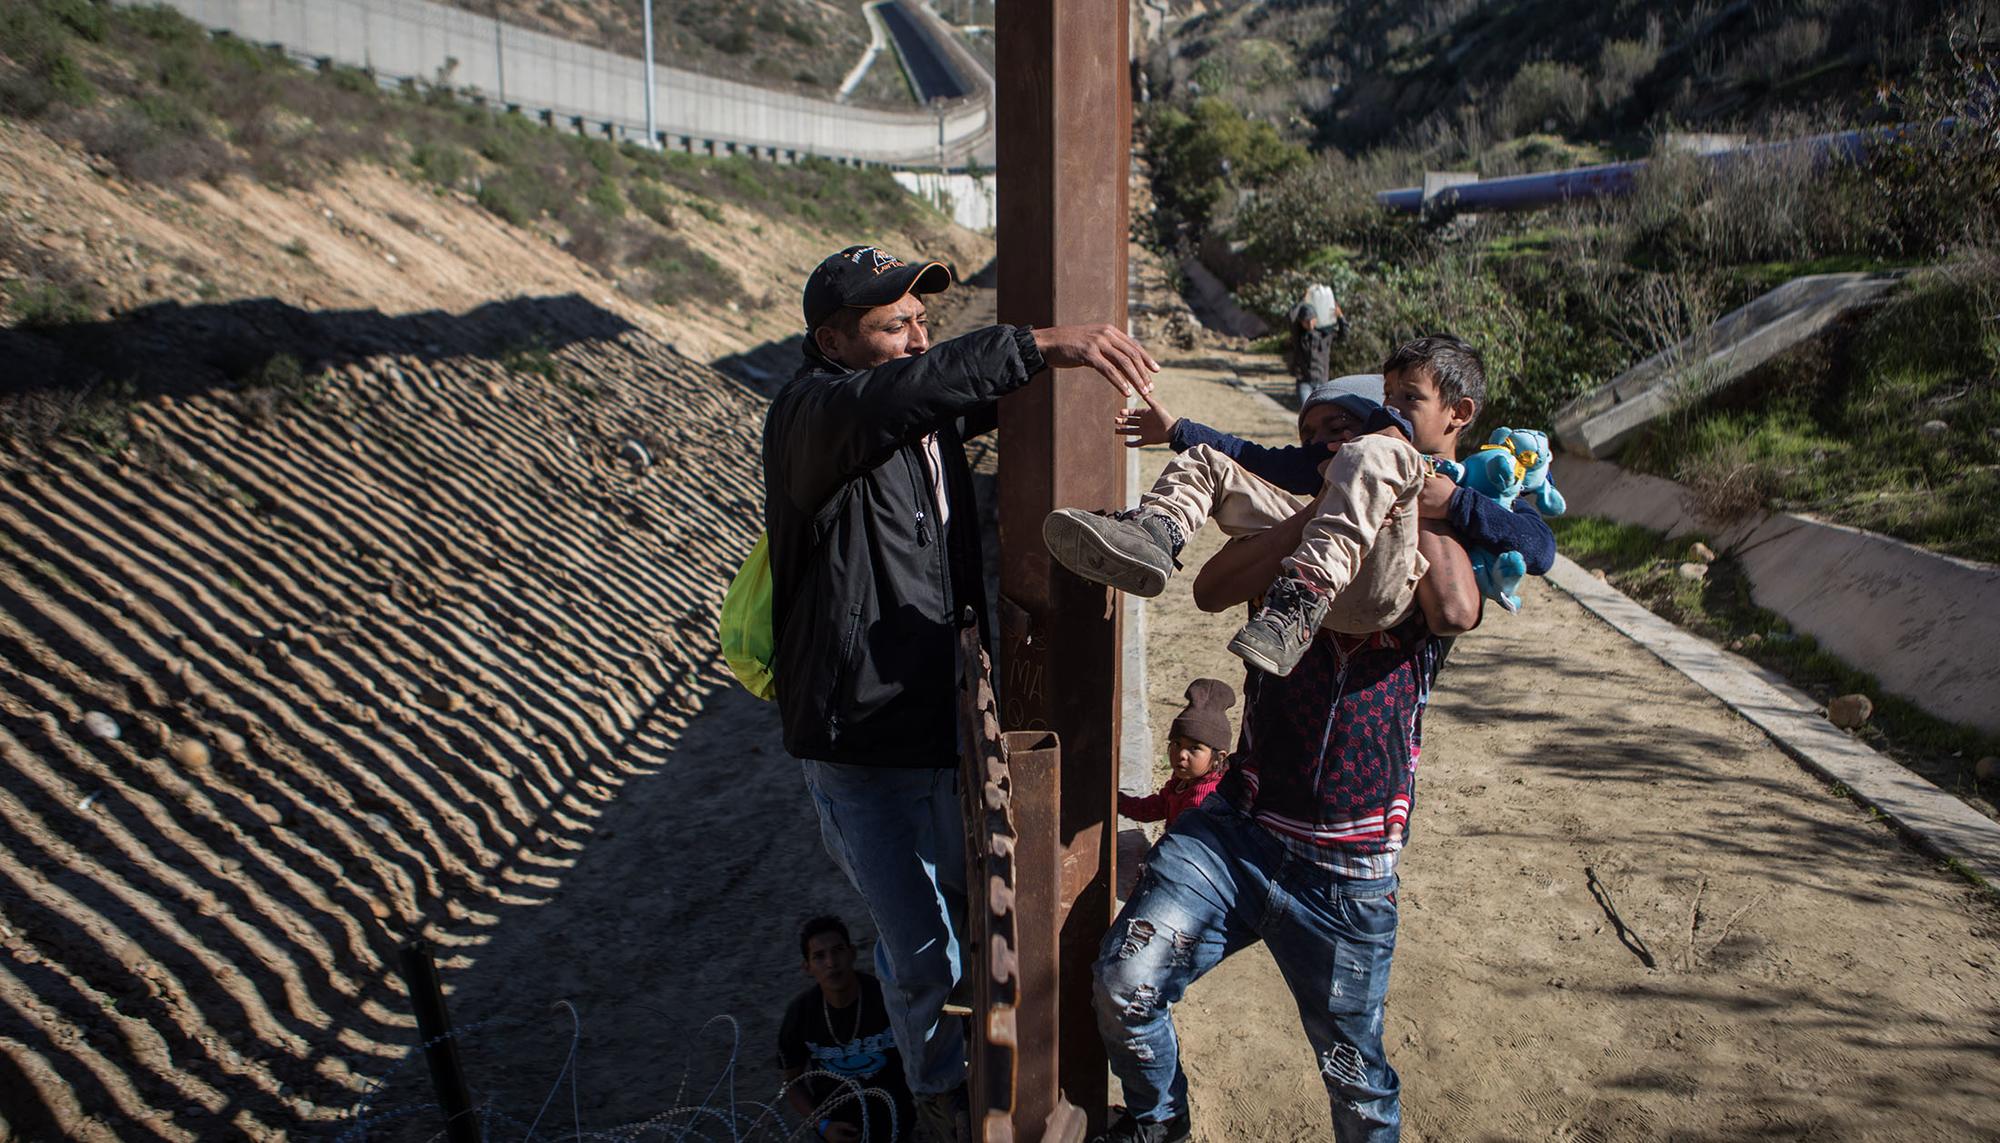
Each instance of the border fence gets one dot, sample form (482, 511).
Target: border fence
(593, 90)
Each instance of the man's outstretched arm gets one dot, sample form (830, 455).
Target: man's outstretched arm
(1294, 468)
(854, 420)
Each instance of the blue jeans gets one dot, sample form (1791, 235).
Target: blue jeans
(1214, 884)
(899, 836)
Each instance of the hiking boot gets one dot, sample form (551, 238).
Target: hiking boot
(945, 1117)
(1132, 551)
(1277, 636)
(1129, 1130)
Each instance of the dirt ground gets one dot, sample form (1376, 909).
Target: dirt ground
(292, 673)
(1814, 977)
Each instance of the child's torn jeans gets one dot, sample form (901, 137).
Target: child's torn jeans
(1214, 884)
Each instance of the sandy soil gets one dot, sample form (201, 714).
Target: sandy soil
(381, 655)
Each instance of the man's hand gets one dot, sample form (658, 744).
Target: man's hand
(1434, 502)
(1150, 424)
(1105, 348)
(842, 1133)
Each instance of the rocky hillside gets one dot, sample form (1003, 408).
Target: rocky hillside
(1460, 76)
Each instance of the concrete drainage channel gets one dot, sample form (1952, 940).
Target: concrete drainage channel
(1938, 822)
(1921, 623)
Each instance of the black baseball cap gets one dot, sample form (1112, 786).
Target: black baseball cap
(867, 276)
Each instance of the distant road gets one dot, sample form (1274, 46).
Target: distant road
(934, 76)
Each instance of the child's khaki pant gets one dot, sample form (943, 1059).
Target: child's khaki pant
(1372, 568)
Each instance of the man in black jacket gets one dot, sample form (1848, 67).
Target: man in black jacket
(875, 566)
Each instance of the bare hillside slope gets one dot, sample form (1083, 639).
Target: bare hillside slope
(356, 549)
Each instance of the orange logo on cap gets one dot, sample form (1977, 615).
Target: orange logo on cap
(877, 260)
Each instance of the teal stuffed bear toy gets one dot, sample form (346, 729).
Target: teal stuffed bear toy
(1531, 446)
(1513, 463)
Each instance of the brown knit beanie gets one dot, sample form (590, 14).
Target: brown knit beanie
(1206, 717)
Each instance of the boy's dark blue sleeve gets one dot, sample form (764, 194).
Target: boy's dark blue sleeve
(1294, 468)
(1480, 521)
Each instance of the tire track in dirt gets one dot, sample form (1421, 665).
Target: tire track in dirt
(378, 661)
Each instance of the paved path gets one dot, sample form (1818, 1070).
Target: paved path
(1813, 975)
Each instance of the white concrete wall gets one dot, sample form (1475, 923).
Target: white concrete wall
(1926, 625)
(972, 198)
(513, 65)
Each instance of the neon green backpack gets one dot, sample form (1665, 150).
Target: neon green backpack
(745, 624)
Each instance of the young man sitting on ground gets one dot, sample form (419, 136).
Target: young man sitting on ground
(843, 1074)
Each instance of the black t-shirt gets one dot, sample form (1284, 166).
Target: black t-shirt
(859, 1047)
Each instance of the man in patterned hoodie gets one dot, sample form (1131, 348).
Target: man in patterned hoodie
(1299, 846)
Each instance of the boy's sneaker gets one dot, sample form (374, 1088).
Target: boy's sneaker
(1129, 1130)
(1277, 636)
(1132, 551)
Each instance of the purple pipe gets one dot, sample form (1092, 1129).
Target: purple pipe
(1529, 192)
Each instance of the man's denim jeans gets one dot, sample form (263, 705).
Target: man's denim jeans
(1215, 883)
(899, 836)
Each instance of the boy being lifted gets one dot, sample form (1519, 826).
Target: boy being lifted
(1356, 568)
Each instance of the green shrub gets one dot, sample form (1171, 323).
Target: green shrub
(1938, 185)
(157, 139)
(283, 374)
(520, 195)
(1621, 64)
(86, 18)
(707, 210)
(241, 54)
(1689, 211)
(603, 197)
(530, 357)
(1204, 155)
(161, 24)
(39, 303)
(592, 237)
(648, 199)
(177, 68)
(37, 37)
(354, 80)
(1246, 65)
(500, 198)
(1542, 96)
(441, 163)
(678, 271)
(66, 80)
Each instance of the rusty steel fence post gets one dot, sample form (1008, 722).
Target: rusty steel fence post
(987, 789)
(1064, 153)
(1012, 811)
